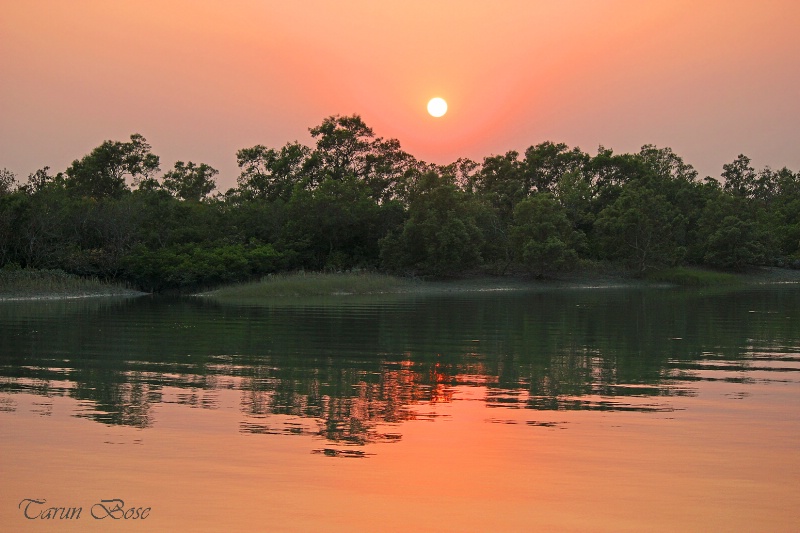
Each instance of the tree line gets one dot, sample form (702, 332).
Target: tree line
(358, 201)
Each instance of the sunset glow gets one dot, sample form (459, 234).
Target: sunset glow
(202, 80)
(399, 266)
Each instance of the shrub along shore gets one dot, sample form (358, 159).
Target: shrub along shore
(302, 285)
(32, 284)
(355, 201)
(29, 284)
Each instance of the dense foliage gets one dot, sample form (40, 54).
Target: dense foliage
(359, 201)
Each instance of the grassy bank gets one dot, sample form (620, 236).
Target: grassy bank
(694, 277)
(309, 285)
(304, 284)
(39, 284)
(51, 284)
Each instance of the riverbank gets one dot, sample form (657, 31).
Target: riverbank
(301, 284)
(33, 284)
(314, 284)
(30, 284)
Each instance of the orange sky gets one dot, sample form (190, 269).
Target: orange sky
(201, 79)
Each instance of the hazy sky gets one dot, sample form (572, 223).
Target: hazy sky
(201, 79)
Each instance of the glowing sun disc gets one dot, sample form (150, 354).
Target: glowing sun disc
(437, 107)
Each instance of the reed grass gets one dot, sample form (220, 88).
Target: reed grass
(302, 284)
(42, 283)
(694, 277)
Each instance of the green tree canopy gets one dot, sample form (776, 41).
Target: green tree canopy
(343, 144)
(730, 235)
(441, 236)
(7, 181)
(270, 174)
(542, 236)
(103, 172)
(189, 181)
(545, 163)
(641, 229)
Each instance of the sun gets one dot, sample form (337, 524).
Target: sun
(437, 107)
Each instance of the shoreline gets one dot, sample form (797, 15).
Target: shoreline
(313, 285)
(62, 296)
(762, 276)
(22, 284)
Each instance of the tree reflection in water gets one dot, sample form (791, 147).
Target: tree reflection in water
(353, 374)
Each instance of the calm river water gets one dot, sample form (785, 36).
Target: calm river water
(550, 410)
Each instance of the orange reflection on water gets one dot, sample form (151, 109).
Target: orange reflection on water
(713, 464)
